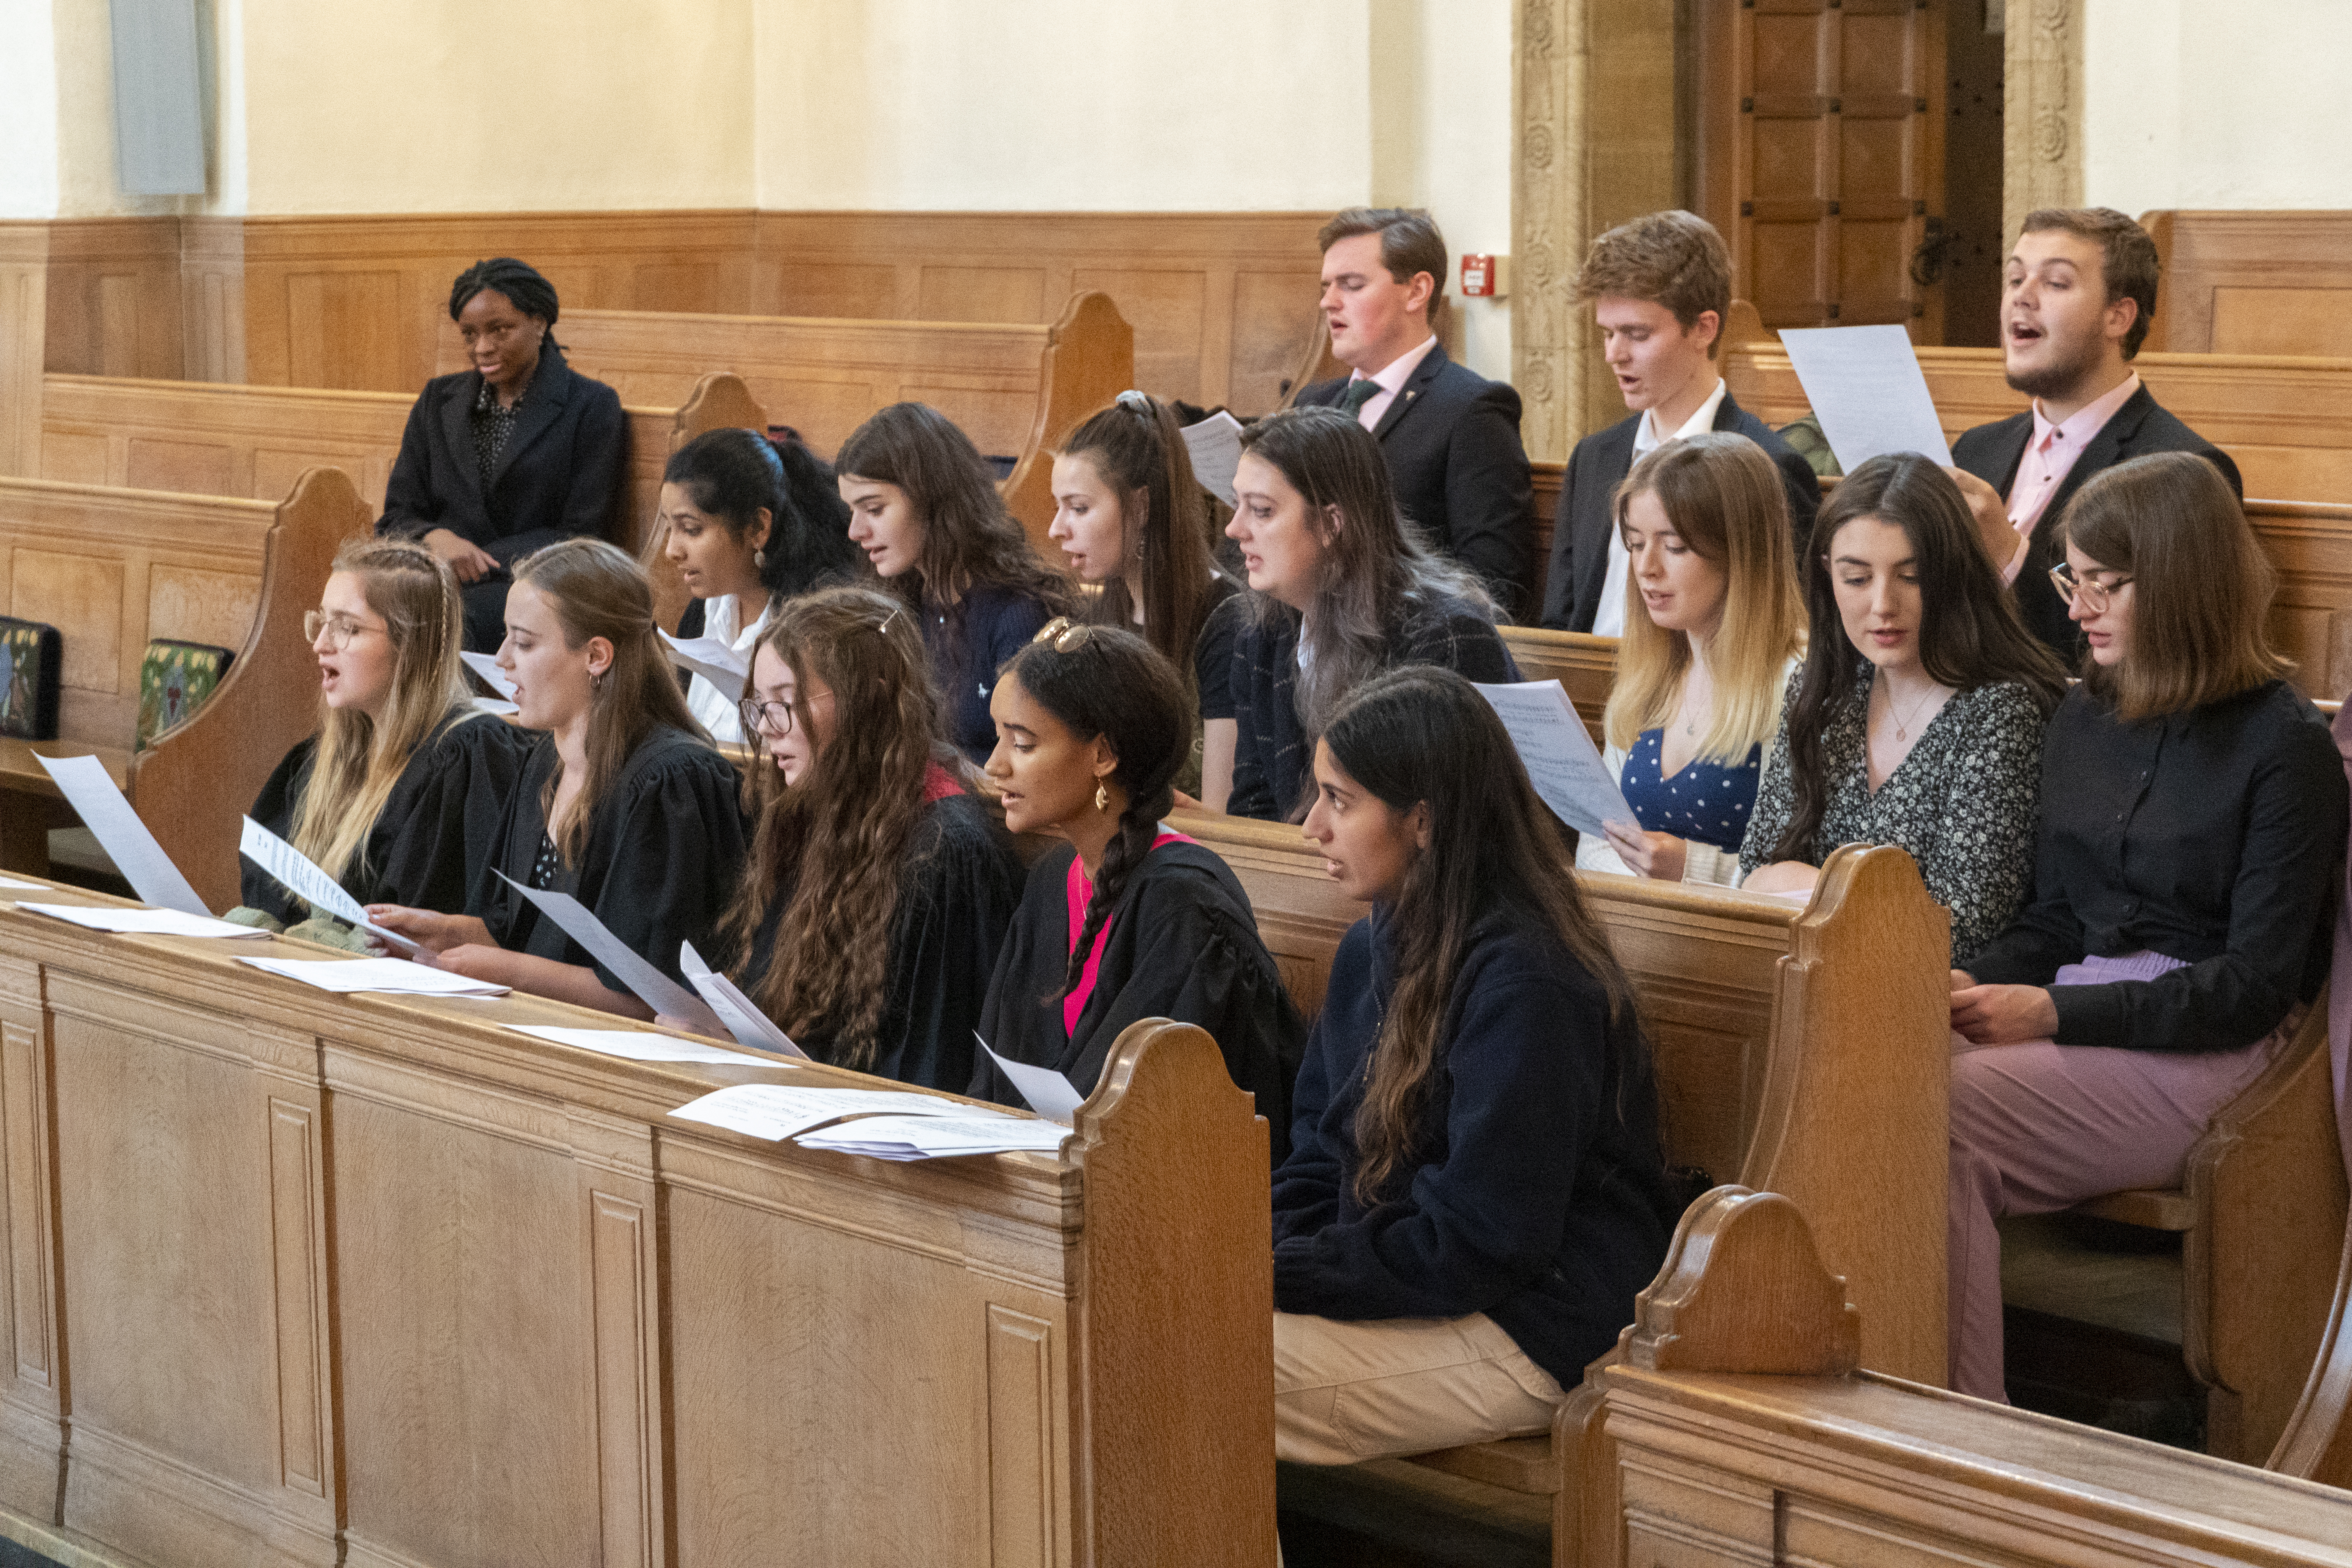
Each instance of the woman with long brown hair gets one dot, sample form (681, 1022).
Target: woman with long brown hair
(879, 888)
(623, 804)
(1474, 1189)
(396, 794)
(2190, 842)
(924, 508)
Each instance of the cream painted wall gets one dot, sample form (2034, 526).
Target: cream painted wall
(28, 111)
(2200, 103)
(407, 106)
(1061, 105)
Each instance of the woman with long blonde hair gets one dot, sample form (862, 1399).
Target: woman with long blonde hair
(1713, 626)
(396, 795)
(623, 803)
(879, 887)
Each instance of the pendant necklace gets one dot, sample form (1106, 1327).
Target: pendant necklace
(1902, 727)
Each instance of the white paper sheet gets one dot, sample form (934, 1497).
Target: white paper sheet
(937, 1137)
(28, 887)
(1050, 1094)
(1561, 761)
(710, 659)
(499, 706)
(1216, 445)
(486, 667)
(122, 835)
(742, 1018)
(144, 923)
(639, 1045)
(397, 976)
(303, 877)
(1867, 389)
(652, 987)
(776, 1110)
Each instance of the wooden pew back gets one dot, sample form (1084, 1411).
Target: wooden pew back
(2253, 282)
(1731, 1427)
(1584, 665)
(112, 569)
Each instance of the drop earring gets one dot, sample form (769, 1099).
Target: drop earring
(1102, 796)
(759, 559)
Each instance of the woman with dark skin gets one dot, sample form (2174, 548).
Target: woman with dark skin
(510, 456)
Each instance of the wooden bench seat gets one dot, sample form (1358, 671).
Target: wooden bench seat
(112, 569)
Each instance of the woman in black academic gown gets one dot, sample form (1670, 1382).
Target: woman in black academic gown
(879, 887)
(623, 804)
(396, 795)
(510, 456)
(1127, 922)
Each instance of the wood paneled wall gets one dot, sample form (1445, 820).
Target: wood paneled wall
(2253, 282)
(1222, 303)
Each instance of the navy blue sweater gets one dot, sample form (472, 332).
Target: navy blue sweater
(1535, 1192)
(967, 647)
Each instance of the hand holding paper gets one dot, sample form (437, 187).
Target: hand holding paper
(299, 875)
(1867, 389)
(743, 1020)
(651, 986)
(1561, 761)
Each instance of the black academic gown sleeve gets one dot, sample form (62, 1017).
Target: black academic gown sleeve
(434, 833)
(664, 853)
(1182, 945)
(955, 903)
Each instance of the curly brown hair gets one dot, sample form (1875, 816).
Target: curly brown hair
(839, 838)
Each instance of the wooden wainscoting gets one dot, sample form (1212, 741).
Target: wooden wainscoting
(2253, 282)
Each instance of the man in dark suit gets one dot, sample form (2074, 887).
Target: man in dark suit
(1660, 286)
(1451, 437)
(2074, 308)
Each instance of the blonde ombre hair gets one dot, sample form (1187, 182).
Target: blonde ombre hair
(359, 761)
(1723, 497)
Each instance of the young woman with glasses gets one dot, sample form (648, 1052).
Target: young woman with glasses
(1126, 920)
(396, 795)
(2190, 840)
(879, 887)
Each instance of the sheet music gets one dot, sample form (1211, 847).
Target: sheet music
(144, 923)
(300, 875)
(1216, 445)
(122, 835)
(652, 987)
(486, 667)
(741, 1016)
(1050, 1094)
(639, 1045)
(776, 1110)
(1561, 761)
(938, 1138)
(710, 659)
(1868, 391)
(11, 882)
(397, 976)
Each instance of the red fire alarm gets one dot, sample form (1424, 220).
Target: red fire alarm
(1485, 277)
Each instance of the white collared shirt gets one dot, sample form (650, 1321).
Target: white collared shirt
(1390, 379)
(715, 708)
(1609, 619)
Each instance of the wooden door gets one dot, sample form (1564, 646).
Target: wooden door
(1820, 156)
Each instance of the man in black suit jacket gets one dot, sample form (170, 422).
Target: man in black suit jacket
(1661, 287)
(2075, 301)
(1451, 437)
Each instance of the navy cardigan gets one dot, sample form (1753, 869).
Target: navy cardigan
(1535, 1192)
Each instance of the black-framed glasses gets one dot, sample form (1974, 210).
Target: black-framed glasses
(774, 716)
(1064, 633)
(2095, 595)
(340, 629)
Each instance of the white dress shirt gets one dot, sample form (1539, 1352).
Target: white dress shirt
(1390, 379)
(714, 707)
(1609, 618)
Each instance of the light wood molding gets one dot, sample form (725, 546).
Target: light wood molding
(24, 318)
(2042, 110)
(2253, 282)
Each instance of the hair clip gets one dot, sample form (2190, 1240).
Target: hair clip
(883, 629)
(1064, 633)
(1136, 403)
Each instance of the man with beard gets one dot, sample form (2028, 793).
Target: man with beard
(2074, 308)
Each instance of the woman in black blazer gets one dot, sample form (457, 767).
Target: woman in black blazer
(515, 454)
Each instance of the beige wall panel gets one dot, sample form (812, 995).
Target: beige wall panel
(867, 292)
(343, 329)
(2282, 321)
(76, 459)
(82, 597)
(1169, 312)
(190, 605)
(206, 469)
(951, 293)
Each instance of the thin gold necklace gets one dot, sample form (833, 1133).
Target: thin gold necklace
(1901, 726)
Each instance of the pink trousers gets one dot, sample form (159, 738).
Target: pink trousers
(2038, 1127)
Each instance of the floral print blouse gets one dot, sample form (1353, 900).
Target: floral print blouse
(1964, 803)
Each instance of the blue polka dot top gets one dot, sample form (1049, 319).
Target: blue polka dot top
(1706, 801)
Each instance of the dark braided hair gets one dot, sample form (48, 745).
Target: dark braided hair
(1107, 682)
(520, 282)
(732, 474)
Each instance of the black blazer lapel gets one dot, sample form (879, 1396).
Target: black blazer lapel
(458, 432)
(2111, 446)
(1414, 390)
(1596, 520)
(1727, 412)
(542, 405)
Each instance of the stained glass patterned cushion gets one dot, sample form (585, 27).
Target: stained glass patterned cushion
(29, 679)
(174, 678)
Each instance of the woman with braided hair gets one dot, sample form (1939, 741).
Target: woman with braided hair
(1127, 922)
(879, 889)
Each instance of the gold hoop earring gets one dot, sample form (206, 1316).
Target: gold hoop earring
(1102, 796)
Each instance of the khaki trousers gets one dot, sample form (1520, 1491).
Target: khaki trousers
(1346, 1392)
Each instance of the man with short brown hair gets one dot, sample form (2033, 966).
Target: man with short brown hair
(1660, 288)
(2075, 302)
(1451, 437)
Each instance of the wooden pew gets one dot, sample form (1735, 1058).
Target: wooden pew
(302, 1279)
(1808, 1044)
(111, 569)
(1731, 1425)
(2253, 282)
(216, 438)
(1584, 665)
(1015, 390)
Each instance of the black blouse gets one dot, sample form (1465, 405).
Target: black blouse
(1182, 944)
(432, 837)
(2214, 836)
(957, 891)
(663, 854)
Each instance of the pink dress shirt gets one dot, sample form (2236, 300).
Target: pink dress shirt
(2051, 456)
